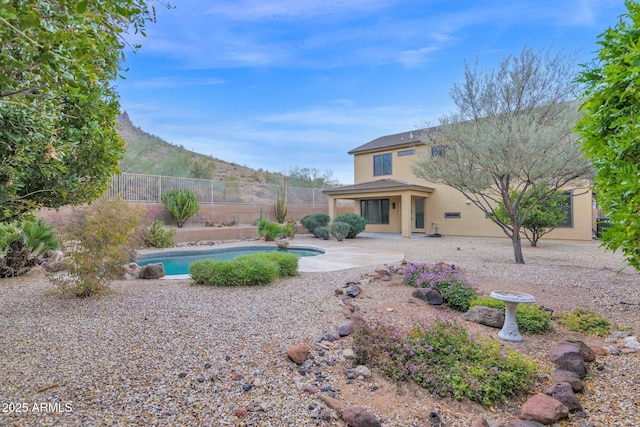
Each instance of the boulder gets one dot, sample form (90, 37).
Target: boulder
(562, 376)
(585, 351)
(152, 271)
(563, 392)
(346, 328)
(485, 315)
(356, 416)
(430, 296)
(298, 353)
(131, 271)
(543, 409)
(567, 356)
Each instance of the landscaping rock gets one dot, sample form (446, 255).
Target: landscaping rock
(567, 356)
(560, 376)
(632, 342)
(362, 370)
(132, 271)
(523, 423)
(563, 392)
(346, 328)
(430, 296)
(298, 353)
(485, 315)
(585, 351)
(543, 409)
(480, 422)
(152, 271)
(356, 416)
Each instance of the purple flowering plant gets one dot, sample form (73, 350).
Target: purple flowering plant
(451, 283)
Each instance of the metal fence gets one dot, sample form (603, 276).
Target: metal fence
(149, 188)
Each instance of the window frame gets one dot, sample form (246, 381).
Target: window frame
(379, 163)
(381, 208)
(568, 222)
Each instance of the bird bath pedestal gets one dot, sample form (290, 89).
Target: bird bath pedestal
(511, 300)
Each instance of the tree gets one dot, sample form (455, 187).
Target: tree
(57, 107)
(609, 131)
(310, 178)
(510, 137)
(542, 219)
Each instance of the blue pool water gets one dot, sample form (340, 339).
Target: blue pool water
(177, 262)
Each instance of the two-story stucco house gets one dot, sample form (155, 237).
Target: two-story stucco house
(394, 200)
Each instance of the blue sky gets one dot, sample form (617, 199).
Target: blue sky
(278, 84)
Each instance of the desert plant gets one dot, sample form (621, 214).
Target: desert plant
(287, 263)
(586, 321)
(240, 271)
(21, 243)
(182, 204)
(269, 231)
(105, 240)
(356, 222)
(531, 318)
(315, 220)
(289, 229)
(280, 206)
(158, 236)
(322, 232)
(339, 230)
(439, 355)
(456, 290)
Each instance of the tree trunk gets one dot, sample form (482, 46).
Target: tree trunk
(517, 247)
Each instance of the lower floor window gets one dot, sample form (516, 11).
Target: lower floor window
(375, 211)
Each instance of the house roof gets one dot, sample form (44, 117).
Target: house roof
(398, 139)
(376, 186)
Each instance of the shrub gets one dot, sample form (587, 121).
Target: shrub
(531, 319)
(315, 220)
(182, 204)
(339, 230)
(269, 231)
(240, 271)
(158, 236)
(289, 229)
(322, 232)
(356, 222)
(456, 290)
(105, 240)
(586, 321)
(440, 356)
(287, 263)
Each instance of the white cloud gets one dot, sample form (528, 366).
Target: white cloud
(176, 82)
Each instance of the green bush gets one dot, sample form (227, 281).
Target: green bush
(322, 232)
(456, 290)
(240, 271)
(269, 231)
(106, 240)
(339, 230)
(356, 222)
(440, 356)
(315, 220)
(182, 204)
(158, 236)
(38, 237)
(287, 263)
(290, 229)
(531, 318)
(586, 321)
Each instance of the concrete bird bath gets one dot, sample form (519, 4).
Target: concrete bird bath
(511, 300)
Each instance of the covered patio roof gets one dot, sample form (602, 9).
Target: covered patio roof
(376, 187)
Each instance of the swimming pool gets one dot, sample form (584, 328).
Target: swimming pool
(177, 262)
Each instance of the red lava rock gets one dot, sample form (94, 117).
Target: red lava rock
(543, 409)
(241, 412)
(598, 351)
(480, 422)
(298, 353)
(311, 389)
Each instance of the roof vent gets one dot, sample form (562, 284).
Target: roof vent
(411, 135)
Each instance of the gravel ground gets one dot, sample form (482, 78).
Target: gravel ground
(165, 352)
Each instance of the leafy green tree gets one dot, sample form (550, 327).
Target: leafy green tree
(511, 135)
(57, 106)
(610, 134)
(542, 218)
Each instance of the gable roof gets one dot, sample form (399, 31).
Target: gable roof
(405, 138)
(379, 185)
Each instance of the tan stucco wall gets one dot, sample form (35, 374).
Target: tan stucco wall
(472, 221)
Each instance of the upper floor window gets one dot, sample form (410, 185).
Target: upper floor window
(406, 152)
(382, 164)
